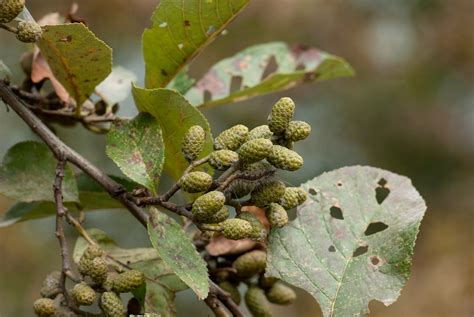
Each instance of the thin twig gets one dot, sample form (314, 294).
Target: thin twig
(225, 298)
(8, 28)
(216, 306)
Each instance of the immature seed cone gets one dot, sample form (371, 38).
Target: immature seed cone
(250, 264)
(98, 271)
(85, 263)
(223, 159)
(193, 142)
(262, 131)
(276, 215)
(267, 193)
(10, 9)
(44, 307)
(286, 143)
(207, 205)
(50, 284)
(232, 290)
(83, 294)
(231, 139)
(127, 281)
(112, 305)
(218, 217)
(255, 150)
(285, 159)
(293, 197)
(258, 230)
(257, 303)
(236, 229)
(281, 294)
(281, 115)
(267, 282)
(297, 131)
(195, 182)
(29, 32)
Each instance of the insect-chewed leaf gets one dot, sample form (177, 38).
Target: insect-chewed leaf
(350, 243)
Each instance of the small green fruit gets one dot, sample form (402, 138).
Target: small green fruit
(257, 303)
(223, 159)
(219, 216)
(258, 230)
(293, 197)
(50, 284)
(193, 142)
(266, 282)
(297, 131)
(236, 229)
(260, 132)
(29, 32)
(93, 251)
(83, 294)
(232, 290)
(207, 205)
(98, 270)
(250, 264)
(195, 182)
(112, 305)
(276, 215)
(231, 139)
(267, 193)
(281, 294)
(285, 159)
(255, 150)
(44, 307)
(281, 115)
(10, 9)
(127, 281)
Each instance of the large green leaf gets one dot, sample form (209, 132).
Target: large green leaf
(136, 146)
(78, 59)
(350, 242)
(180, 30)
(28, 171)
(175, 115)
(178, 252)
(264, 69)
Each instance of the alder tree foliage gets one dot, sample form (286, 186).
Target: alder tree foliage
(222, 229)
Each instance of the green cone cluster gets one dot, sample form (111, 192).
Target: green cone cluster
(10, 9)
(193, 142)
(29, 32)
(232, 139)
(195, 182)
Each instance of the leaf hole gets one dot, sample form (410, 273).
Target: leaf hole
(339, 184)
(381, 193)
(235, 84)
(312, 191)
(382, 182)
(270, 68)
(332, 249)
(360, 250)
(374, 260)
(207, 96)
(336, 212)
(375, 227)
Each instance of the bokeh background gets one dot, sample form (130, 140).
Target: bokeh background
(410, 109)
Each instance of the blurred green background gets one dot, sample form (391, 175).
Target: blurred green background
(410, 109)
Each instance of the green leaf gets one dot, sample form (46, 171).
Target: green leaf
(180, 31)
(182, 82)
(176, 116)
(136, 146)
(5, 72)
(28, 171)
(263, 69)
(116, 87)
(178, 252)
(78, 59)
(350, 243)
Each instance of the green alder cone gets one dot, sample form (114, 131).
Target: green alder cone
(83, 294)
(93, 251)
(281, 294)
(297, 131)
(262, 131)
(196, 182)
(112, 305)
(50, 284)
(44, 307)
(267, 193)
(250, 264)
(267, 282)
(218, 217)
(127, 281)
(276, 215)
(98, 270)
(255, 150)
(232, 290)
(10, 9)
(293, 197)
(286, 143)
(281, 115)
(223, 159)
(236, 229)
(205, 206)
(285, 159)
(231, 139)
(193, 142)
(29, 32)
(258, 230)
(257, 302)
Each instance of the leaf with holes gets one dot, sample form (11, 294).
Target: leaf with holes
(180, 30)
(137, 147)
(349, 244)
(28, 171)
(175, 115)
(78, 59)
(263, 69)
(177, 250)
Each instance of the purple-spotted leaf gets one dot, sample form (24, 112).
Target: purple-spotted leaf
(136, 146)
(352, 240)
(263, 69)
